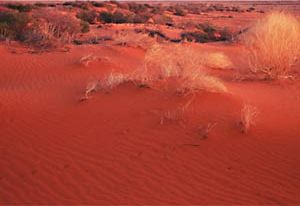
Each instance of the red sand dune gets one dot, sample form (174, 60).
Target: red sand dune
(113, 149)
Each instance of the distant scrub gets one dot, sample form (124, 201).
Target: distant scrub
(207, 33)
(20, 7)
(85, 26)
(179, 11)
(97, 4)
(41, 29)
(88, 16)
(52, 29)
(162, 19)
(121, 18)
(116, 17)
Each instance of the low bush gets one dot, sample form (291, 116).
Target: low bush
(196, 36)
(140, 18)
(52, 29)
(116, 17)
(137, 8)
(162, 19)
(206, 27)
(88, 16)
(158, 9)
(20, 7)
(178, 11)
(121, 18)
(207, 33)
(13, 25)
(39, 4)
(85, 26)
(97, 4)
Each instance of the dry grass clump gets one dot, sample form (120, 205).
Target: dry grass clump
(274, 44)
(133, 39)
(248, 116)
(113, 80)
(174, 115)
(87, 59)
(177, 64)
(92, 86)
(204, 131)
(107, 83)
(217, 60)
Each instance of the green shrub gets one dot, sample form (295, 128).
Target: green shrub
(85, 26)
(116, 17)
(162, 19)
(137, 8)
(88, 16)
(13, 25)
(195, 36)
(39, 4)
(50, 29)
(97, 4)
(20, 7)
(206, 27)
(140, 18)
(158, 9)
(179, 11)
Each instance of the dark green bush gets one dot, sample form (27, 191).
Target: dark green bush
(137, 8)
(97, 4)
(13, 25)
(88, 16)
(85, 26)
(162, 19)
(106, 17)
(195, 37)
(158, 10)
(39, 4)
(179, 11)
(206, 27)
(140, 18)
(118, 17)
(20, 7)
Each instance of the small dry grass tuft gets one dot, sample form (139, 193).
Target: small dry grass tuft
(177, 114)
(179, 64)
(87, 59)
(274, 44)
(248, 117)
(174, 115)
(91, 86)
(204, 131)
(113, 80)
(217, 60)
(133, 39)
(109, 82)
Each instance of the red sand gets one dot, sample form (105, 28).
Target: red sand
(113, 149)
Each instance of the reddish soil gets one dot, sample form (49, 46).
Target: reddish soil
(112, 148)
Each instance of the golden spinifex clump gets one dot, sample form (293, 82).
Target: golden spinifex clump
(274, 44)
(178, 63)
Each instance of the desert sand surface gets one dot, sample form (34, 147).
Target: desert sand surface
(114, 148)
